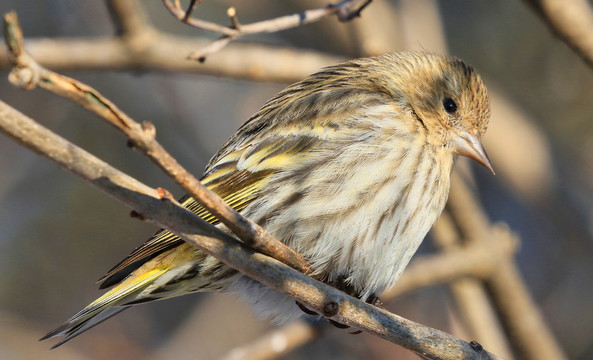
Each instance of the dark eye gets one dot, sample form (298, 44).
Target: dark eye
(449, 105)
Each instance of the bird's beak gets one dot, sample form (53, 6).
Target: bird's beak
(470, 146)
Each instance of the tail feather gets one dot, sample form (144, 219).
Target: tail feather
(110, 304)
(172, 273)
(72, 330)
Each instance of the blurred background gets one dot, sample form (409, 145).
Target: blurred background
(59, 234)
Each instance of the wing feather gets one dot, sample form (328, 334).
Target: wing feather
(237, 178)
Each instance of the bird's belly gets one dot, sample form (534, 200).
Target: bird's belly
(365, 245)
(373, 250)
(370, 257)
(359, 228)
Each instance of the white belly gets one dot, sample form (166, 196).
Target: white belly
(364, 235)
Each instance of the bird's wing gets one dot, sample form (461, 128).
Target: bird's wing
(236, 177)
(258, 149)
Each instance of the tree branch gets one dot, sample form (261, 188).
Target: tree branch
(275, 343)
(28, 74)
(469, 293)
(345, 10)
(167, 213)
(474, 261)
(513, 300)
(129, 17)
(477, 260)
(140, 46)
(570, 20)
(167, 53)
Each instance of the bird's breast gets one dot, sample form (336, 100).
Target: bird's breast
(364, 216)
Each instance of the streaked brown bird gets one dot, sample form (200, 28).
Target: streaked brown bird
(350, 167)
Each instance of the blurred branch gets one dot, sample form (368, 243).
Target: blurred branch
(570, 20)
(345, 10)
(471, 225)
(275, 343)
(27, 73)
(475, 261)
(156, 206)
(129, 18)
(166, 53)
(469, 293)
(478, 261)
(519, 312)
(140, 46)
(379, 31)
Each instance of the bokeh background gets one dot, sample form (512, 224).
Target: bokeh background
(59, 234)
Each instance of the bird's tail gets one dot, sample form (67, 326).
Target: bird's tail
(178, 271)
(129, 292)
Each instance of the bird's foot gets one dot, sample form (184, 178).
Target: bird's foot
(305, 309)
(374, 300)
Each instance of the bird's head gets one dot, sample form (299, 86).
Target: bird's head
(446, 96)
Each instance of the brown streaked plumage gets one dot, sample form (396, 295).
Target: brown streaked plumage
(350, 167)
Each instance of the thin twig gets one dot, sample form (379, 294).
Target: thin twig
(232, 14)
(142, 47)
(345, 11)
(190, 9)
(28, 74)
(168, 214)
(214, 47)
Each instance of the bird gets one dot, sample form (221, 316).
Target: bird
(350, 167)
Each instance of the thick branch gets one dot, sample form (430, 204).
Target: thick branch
(168, 214)
(470, 293)
(572, 21)
(475, 261)
(129, 17)
(28, 74)
(513, 300)
(141, 47)
(167, 53)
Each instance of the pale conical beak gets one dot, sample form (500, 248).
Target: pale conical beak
(470, 146)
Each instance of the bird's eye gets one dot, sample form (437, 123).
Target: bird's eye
(449, 105)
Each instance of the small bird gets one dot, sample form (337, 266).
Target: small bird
(349, 167)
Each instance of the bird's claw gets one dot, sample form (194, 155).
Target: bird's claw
(374, 300)
(305, 309)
